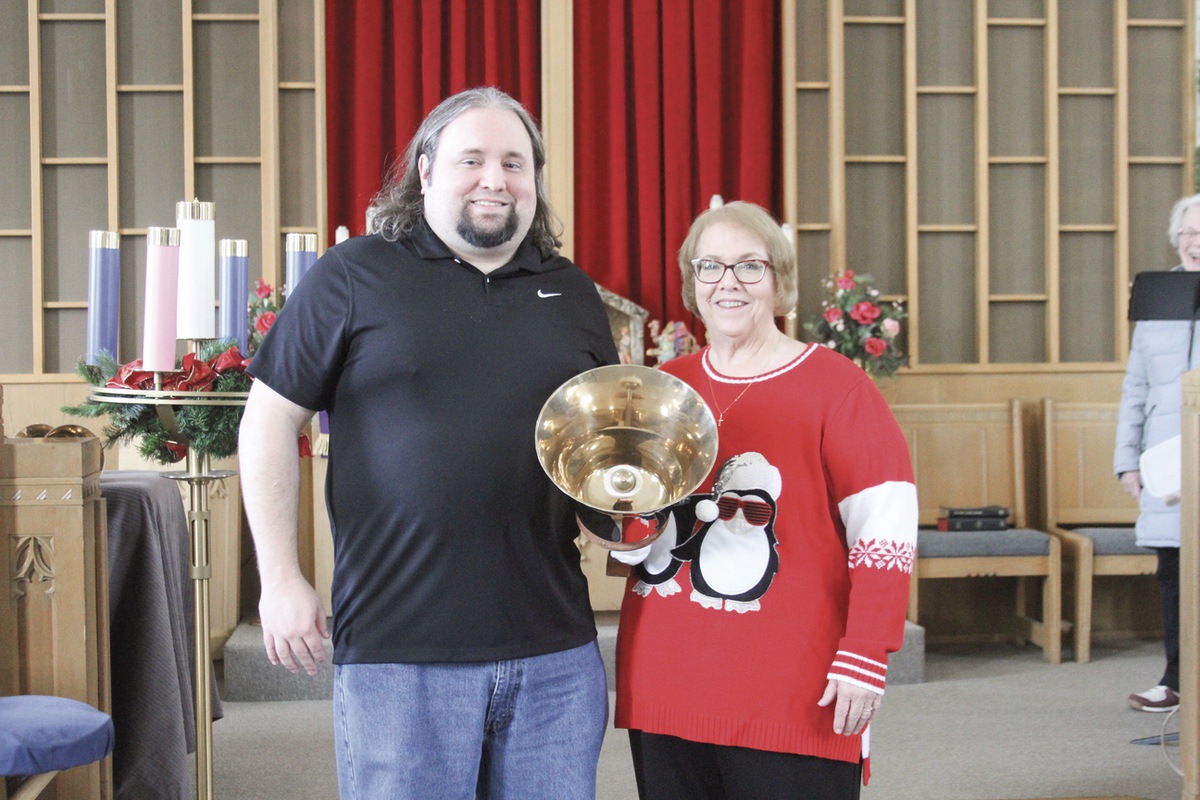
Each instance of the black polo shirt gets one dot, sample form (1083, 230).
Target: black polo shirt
(450, 543)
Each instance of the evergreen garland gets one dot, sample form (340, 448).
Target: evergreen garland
(211, 430)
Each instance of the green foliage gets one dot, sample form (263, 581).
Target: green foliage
(210, 429)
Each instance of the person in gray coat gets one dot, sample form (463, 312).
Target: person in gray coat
(1151, 398)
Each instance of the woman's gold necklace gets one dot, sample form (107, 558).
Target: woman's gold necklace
(713, 389)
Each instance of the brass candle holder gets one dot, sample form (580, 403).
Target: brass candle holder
(198, 475)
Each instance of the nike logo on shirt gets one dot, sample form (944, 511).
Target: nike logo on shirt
(549, 294)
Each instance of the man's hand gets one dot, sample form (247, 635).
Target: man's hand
(1131, 482)
(855, 707)
(293, 624)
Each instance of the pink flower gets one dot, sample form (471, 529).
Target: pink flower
(875, 346)
(264, 323)
(865, 313)
(846, 281)
(263, 290)
(832, 315)
(890, 327)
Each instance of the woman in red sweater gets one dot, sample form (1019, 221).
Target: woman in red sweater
(755, 632)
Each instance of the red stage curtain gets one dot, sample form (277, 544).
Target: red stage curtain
(675, 101)
(389, 62)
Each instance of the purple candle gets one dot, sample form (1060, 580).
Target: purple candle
(300, 253)
(162, 296)
(104, 294)
(233, 268)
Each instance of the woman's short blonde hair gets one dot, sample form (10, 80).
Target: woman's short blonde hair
(754, 220)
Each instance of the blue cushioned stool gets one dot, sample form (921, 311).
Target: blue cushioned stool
(42, 735)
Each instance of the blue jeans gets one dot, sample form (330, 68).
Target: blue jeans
(526, 728)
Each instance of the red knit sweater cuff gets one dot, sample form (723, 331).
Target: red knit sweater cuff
(859, 670)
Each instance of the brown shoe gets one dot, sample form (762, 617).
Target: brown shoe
(1156, 699)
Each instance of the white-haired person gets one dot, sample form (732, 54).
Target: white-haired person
(755, 632)
(1151, 399)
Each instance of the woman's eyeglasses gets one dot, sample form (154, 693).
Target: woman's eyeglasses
(709, 270)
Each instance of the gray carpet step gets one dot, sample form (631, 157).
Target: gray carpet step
(250, 677)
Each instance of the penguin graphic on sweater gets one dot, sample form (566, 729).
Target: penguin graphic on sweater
(732, 553)
(656, 566)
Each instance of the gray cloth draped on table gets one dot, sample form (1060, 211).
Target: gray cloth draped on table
(150, 603)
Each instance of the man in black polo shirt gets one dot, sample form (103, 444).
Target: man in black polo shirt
(464, 645)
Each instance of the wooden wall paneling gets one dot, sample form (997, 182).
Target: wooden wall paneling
(1017, 9)
(1017, 229)
(226, 105)
(558, 123)
(813, 258)
(1086, 195)
(874, 8)
(16, 356)
(946, 280)
(983, 150)
(1189, 595)
(299, 201)
(1082, 489)
(1153, 189)
(903, 286)
(837, 138)
(814, 165)
(37, 225)
(320, 144)
(1086, 291)
(111, 128)
(1053, 261)
(1017, 330)
(268, 70)
(943, 171)
(787, 41)
(189, 105)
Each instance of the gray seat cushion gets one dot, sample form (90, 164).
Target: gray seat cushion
(1114, 541)
(968, 544)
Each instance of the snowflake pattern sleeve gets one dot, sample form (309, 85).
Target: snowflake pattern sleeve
(881, 534)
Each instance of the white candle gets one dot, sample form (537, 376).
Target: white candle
(197, 306)
(162, 285)
(341, 234)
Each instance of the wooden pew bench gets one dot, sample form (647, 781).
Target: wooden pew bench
(972, 454)
(1086, 507)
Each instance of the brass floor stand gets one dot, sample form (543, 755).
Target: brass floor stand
(198, 476)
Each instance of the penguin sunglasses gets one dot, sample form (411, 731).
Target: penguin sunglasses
(756, 512)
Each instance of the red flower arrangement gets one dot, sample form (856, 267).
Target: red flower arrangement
(263, 311)
(856, 324)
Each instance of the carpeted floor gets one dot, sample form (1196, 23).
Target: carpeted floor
(990, 722)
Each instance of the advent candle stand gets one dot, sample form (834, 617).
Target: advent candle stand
(198, 475)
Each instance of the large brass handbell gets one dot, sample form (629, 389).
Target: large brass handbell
(626, 440)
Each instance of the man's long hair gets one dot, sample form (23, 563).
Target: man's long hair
(400, 207)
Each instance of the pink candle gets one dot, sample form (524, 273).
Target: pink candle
(162, 287)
